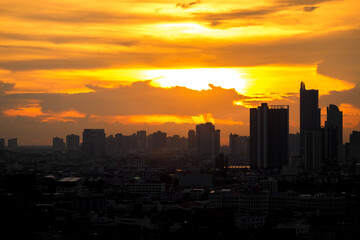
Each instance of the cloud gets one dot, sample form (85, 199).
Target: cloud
(5, 87)
(309, 9)
(187, 5)
(140, 98)
(303, 2)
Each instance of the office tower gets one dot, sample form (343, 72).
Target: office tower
(93, 146)
(141, 140)
(221, 162)
(313, 150)
(58, 144)
(208, 140)
(72, 142)
(353, 147)
(2, 143)
(294, 144)
(12, 144)
(335, 120)
(176, 142)
(239, 145)
(269, 135)
(73, 146)
(191, 139)
(309, 113)
(158, 141)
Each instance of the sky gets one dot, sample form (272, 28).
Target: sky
(169, 65)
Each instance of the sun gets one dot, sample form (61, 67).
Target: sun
(198, 78)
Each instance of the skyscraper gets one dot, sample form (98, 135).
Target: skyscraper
(309, 113)
(269, 134)
(239, 145)
(158, 141)
(191, 139)
(335, 119)
(12, 144)
(72, 142)
(93, 143)
(58, 144)
(141, 140)
(208, 140)
(73, 146)
(2, 143)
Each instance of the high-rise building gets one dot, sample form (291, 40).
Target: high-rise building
(239, 145)
(309, 113)
(72, 142)
(333, 136)
(2, 143)
(294, 144)
(313, 150)
(191, 139)
(269, 135)
(73, 146)
(58, 144)
(208, 140)
(335, 119)
(141, 140)
(158, 141)
(353, 147)
(12, 144)
(93, 146)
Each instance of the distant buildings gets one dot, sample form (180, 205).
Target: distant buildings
(191, 139)
(208, 140)
(73, 146)
(269, 134)
(12, 144)
(141, 140)
(58, 144)
(157, 141)
(239, 145)
(2, 143)
(93, 146)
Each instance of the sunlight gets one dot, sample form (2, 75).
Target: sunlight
(198, 78)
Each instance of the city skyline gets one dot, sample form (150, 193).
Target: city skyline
(168, 66)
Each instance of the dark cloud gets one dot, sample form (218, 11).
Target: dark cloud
(41, 64)
(303, 2)
(310, 9)
(5, 87)
(187, 5)
(140, 98)
(238, 14)
(60, 39)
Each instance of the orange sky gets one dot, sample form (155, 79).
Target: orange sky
(168, 65)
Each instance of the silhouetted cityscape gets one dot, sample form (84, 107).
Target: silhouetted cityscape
(271, 184)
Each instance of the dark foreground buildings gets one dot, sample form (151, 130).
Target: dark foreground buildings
(269, 134)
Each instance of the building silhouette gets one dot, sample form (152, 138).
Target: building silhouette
(2, 143)
(93, 146)
(12, 144)
(313, 150)
(309, 113)
(335, 120)
(332, 136)
(269, 135)
(239, 145)
(208, 140)
(73, 146)
(157, 141)
(58, 144)
(141, 140)
(191, 139)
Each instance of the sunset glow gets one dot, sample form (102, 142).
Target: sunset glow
(109, 62)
